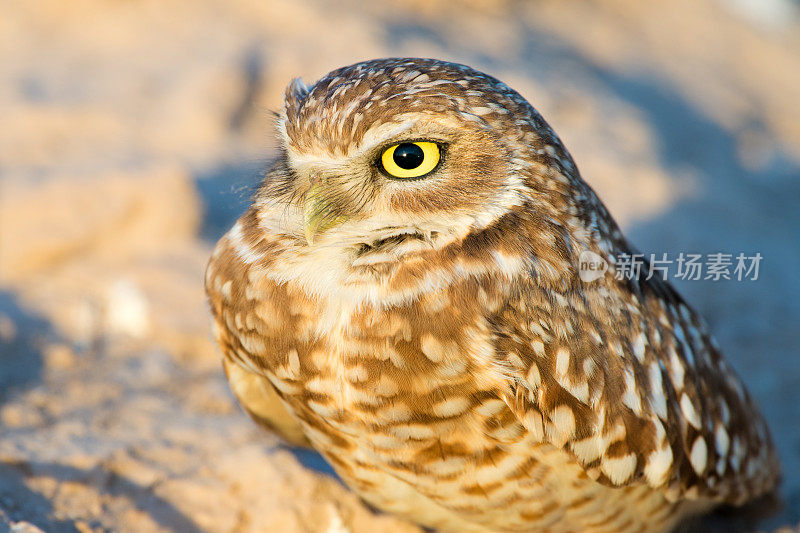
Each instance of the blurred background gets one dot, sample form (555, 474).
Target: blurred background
(132, 133)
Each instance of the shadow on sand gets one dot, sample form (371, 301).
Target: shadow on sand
(21, 367)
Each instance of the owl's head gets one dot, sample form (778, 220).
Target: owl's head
(394, 156)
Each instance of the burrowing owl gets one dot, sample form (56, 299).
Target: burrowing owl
(403, 294)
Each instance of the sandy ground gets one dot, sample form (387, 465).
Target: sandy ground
(132, 133)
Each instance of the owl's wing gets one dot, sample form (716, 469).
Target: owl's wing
(252, 389)
(625, 376)
(259, 400)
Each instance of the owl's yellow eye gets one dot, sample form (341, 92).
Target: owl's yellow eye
(410, 159)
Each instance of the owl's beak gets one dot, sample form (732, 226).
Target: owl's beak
(321, 212)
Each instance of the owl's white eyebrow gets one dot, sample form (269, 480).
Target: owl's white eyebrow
(380, 135)
(373, 137)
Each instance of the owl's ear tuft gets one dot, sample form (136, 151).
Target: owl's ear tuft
(296, 93)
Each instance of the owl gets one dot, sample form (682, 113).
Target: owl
(404, 296)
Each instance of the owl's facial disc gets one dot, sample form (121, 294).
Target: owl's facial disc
(409, 177)
(332, 201)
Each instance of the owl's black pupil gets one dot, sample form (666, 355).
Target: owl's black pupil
(408, 156)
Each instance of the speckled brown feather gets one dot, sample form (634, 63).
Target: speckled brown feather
(437, 345)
